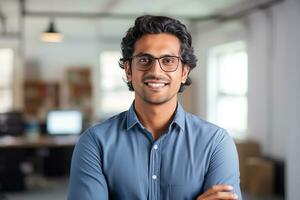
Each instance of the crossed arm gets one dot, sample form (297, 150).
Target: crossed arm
(218, 192)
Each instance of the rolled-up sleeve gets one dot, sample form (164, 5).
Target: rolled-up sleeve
(86, 179)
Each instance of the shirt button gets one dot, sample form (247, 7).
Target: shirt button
(155, 146)
(154, 177)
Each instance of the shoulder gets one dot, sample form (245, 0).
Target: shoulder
(215, 139)
(104, 130)
(118, 120)
(196, 123)
(205, 131)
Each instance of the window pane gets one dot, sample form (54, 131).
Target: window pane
(111, 73)
(232, 113)
(6, 100)
(114, 94)
(6, 67)
(233, 73)
(228, 87)
(6, 70)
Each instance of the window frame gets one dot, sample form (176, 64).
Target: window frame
(9, 86)
(214, 92)
(121, 88)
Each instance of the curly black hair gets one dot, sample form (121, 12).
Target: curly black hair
(149, 24)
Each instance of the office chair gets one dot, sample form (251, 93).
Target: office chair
(11, 123)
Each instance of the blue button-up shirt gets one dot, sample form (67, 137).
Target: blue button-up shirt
(119, 159)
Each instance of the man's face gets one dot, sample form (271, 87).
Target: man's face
(156, 86)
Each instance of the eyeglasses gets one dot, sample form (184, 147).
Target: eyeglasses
(145, 62)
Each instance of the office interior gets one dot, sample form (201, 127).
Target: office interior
(246, 80)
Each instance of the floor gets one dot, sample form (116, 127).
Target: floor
(56, 189)
(41, 189)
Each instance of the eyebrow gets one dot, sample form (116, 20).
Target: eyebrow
(148, 54)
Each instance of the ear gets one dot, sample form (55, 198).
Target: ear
(128, 71)
(185, 73)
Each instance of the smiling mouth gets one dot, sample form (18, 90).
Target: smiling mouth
(156, 85)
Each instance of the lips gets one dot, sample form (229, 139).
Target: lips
(156, 85)
(156, 82)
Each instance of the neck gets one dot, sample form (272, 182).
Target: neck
(155, 117)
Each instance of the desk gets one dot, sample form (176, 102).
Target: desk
(16, 150)
(7, 142)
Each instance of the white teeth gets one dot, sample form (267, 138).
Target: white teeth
(156, 85)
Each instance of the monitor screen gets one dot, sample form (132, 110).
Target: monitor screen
(62, 122)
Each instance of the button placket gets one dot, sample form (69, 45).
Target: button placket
(154, 171)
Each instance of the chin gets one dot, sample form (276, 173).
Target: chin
(158, 101)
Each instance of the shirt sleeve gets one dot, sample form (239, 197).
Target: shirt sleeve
(86, 178)
(224, 165)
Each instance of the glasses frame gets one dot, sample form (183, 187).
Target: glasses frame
(158, 59)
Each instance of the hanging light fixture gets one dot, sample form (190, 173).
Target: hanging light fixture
(51, 34)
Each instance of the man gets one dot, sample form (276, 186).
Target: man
(155, 150)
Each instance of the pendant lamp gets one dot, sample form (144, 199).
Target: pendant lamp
(51, 34)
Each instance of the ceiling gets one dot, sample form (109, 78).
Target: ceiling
(132, 7)
(101, 18)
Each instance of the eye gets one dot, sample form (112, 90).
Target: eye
(144, 60)
(168, 60)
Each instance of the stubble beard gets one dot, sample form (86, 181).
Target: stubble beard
(151, 99)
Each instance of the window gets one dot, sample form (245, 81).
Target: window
(6, 75)
(227, 87)
(114, 95)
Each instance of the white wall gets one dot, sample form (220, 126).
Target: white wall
(259, 39)
(80, 48)
(288, 64)
(273, 38)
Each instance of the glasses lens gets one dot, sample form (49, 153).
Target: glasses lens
(169, 63)
(143, 62)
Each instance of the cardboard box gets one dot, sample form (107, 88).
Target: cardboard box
(246, 149)
(260, 176)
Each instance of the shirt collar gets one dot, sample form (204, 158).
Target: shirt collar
(179, 117)
(132, 117)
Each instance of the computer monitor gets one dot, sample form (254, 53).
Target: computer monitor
(64, 122)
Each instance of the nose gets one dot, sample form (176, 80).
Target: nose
(156, 69)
